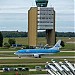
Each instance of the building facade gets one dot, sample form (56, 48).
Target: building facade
(41, 18)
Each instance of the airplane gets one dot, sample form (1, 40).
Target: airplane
(38, 52)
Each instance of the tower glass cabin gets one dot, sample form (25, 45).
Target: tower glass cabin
(41, 3)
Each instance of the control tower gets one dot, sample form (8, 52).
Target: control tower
(41, 17)
(41, 3)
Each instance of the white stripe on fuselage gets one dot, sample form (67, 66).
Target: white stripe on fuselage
(33, 53)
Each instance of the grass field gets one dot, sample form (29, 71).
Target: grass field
(23, 72)
(42, 40)
(30, 61)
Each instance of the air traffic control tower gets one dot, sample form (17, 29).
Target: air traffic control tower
(41, 18)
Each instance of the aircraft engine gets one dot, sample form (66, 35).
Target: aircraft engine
(37, 56)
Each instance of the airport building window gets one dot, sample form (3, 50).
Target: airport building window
(44, 22)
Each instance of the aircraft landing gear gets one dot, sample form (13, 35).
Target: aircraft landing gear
(39, 56)
(19, 57)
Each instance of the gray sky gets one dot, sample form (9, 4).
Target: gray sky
(64, 14)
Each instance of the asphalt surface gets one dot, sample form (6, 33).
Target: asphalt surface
(37, 58)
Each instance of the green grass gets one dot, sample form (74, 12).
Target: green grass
(17, 66)
(69, 47)
(8, 49)
(64, 54)
(42, 40)
(7, 54)
(33, 61)
(66, 39)
(23, 72)
(23, 41)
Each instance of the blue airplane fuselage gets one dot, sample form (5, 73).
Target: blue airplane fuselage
(36, 51)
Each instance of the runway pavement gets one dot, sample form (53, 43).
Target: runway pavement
(67, 51)
(36, 58)
(7, 51)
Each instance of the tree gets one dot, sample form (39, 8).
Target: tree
(1, 39)
(6, 45)
(11, 41)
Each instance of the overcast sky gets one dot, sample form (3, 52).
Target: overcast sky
(13, 14)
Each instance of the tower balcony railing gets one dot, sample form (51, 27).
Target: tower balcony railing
(45, 20)
(44, 24)
(46, 16)
(44, 27)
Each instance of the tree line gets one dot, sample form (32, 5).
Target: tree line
(6, 44)
(10, 34)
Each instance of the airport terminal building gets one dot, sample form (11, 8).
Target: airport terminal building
(41, 18)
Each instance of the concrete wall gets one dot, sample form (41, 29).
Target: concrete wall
(50, 34)
(32, 26)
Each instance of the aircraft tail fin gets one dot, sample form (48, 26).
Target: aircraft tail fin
(57, 45)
